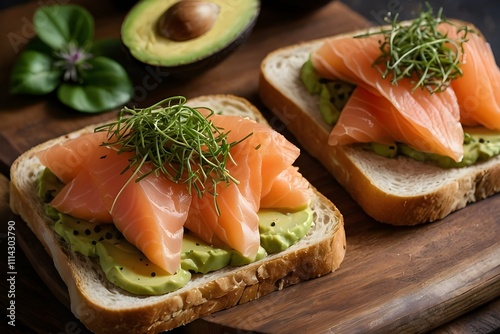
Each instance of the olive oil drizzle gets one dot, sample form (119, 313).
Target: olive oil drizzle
(419, 51)
(177, 141)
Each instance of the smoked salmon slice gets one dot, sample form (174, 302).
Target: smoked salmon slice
(350, 59)
(368, 117)
(78, 199)
(232, 216)
(150, 213)
(478, 90)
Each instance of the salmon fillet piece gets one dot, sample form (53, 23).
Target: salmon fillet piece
(350, 59)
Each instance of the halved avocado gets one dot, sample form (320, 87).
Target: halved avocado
(303, 6)
(143, 32)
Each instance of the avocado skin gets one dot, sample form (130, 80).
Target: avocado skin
(197, 66)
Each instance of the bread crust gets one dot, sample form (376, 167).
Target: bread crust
(365, 175)
(104, 308)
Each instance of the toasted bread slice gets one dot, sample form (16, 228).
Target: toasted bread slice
(105, 308)
(398, 191)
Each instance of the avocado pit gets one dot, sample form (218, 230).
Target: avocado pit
(188, 19)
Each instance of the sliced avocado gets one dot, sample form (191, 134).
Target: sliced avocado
(51, 212)
(327, 108)
(199, 257)
(83, 236)
(280, 230)
(339, 92)
(128, 268)
(385, 150)
(143, 32)
(333, 98)
(486, 141)
(238, 259)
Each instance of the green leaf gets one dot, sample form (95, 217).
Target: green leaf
(34, 73)
(60, 25)
(37, 44)
(105, 86)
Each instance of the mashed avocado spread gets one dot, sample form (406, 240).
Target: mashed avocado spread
(480, 144)
(127, 267)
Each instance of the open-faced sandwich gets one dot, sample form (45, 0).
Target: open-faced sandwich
(405, 116)
(173, 212)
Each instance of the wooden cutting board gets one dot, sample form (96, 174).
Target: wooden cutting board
(393, 279)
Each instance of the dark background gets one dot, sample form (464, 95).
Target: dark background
(485, 14)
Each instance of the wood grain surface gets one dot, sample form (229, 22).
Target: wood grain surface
(405, 279)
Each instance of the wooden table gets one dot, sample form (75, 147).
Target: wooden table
(439, 277)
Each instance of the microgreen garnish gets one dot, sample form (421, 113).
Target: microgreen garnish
(420, 51)
(177, 140)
